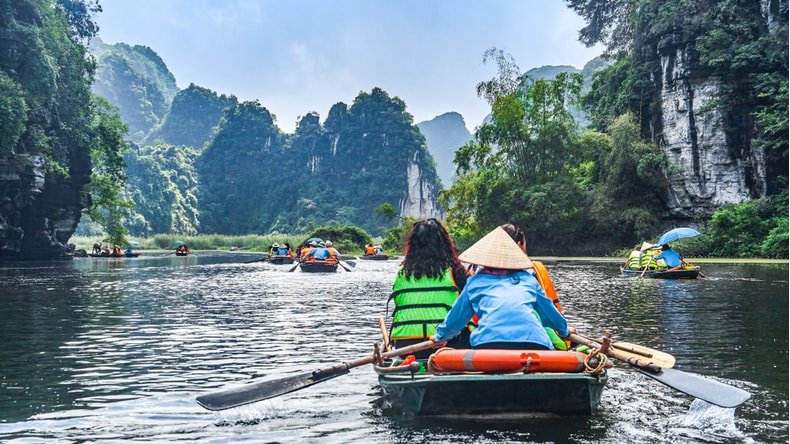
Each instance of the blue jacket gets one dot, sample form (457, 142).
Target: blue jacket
(320, 253)
(504, 305)
(671, 257)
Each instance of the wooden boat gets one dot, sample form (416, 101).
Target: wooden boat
(663, 273)
(123, 255)
(178, 253)
(410, 389)
(375, 257)
(318, 267)
(280, 260)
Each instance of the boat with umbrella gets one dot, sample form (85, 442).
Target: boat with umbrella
(659, 261)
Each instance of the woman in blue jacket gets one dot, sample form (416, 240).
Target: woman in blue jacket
(503, 295)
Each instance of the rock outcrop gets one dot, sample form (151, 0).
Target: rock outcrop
(39, 210)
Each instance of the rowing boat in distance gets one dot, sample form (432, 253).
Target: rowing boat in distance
(375, 257)
(113, 256)
(281, 260)
(318, 266)
(665, 273)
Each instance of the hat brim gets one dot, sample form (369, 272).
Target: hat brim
(497, 250)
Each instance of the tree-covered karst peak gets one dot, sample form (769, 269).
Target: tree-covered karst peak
(444, 134)
(137, 82)
(254, 178)
(194, 113)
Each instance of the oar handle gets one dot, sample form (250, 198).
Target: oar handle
(615, 353)
(347, 365)
(621, 347)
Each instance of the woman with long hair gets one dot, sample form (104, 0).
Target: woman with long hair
(430, 278)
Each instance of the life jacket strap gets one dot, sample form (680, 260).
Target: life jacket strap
(416, 290)
(408, 306)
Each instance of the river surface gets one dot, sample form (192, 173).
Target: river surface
(116, 350)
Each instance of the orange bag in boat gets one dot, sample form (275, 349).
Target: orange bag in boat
(505, 361)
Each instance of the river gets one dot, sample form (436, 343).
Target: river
(116, 350)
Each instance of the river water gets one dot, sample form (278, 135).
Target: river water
(116, 350)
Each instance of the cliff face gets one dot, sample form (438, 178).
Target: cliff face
(703, 122)
(39, 211)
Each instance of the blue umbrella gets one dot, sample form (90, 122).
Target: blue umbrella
(675, 234)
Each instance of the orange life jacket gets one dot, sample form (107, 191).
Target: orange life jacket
(370, 251)
(546, 284)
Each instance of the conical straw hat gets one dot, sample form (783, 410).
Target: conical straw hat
(496, 250)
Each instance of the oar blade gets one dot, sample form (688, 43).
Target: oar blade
(262, 390)
(698, 386)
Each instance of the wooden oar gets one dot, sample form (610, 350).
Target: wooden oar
(636, 351)
(259, 391)
(385, 337)
(698, 386)
(296, 264)
(344, 265)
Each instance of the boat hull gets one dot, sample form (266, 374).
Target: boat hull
(375, 257)
(280, 260)
(485, 394)
(112, 256)
(313, 267)
(688, 273)
(182, 254)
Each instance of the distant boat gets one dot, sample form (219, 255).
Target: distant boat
(663, 273)
(375, 257)
(280, 260)
(318, 267)
(179, 253)
(111, 256)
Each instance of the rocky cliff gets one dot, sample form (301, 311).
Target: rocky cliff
(703, 121)
(39, 211)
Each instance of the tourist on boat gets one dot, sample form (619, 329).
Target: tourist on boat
(542, 275)
(333, 253)
(107, 251)
(426, 286)
(369, 250)
(288, 250)
(116, 251)
(503, 295)
(671, 258)
(320, 253)
(273, 249)
(97, 248)
(306, 248)
(281, 250)
(182, 249)
(377, 250)
(129, 251)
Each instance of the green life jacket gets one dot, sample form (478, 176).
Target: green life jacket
(634, 260)
(648, 260)
(421, 304)
(555, 338)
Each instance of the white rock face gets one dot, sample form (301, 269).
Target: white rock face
(420, 199)
(704, 172)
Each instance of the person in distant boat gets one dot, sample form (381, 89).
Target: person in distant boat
(182, 249)
(116, 251)
(288, 250)
(505, 297)
(369, 250)
(273, 249)
(377, 250)
(333, 253)
(97, 248)
(426, 286)
(671, 258)
(307, 249)
(106, 251)
(282, 250)
(129, 251)
(320, 253)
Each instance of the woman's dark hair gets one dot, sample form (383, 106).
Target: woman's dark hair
(429, 251)
(516, 233)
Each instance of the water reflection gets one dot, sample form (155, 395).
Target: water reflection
(118, 349)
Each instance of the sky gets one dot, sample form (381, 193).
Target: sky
(298, 56)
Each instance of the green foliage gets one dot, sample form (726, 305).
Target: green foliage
(107, 207)
(395, 237)
(14, 110)
(386, 210)
(163, 184)
(194, 113)
(756, 228)
(136, 80)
